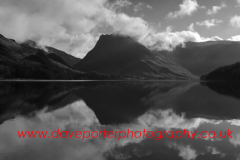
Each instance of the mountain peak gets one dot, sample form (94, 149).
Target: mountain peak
(1, 36)
(124, 56)
(113, 38)
(31, 43)
(113, 42)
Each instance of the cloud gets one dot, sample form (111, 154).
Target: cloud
(77, 116)
(140, 7)
(168, 40)
(130, 26)
(169, 120)
(235, 140)
(235, 21)
(71, 25)
(235, 122)
(234, 38)
(238, 2)
(73, 117)
(76, 113)
(211, 139)
(185, 9)
(119, 4)
(215, 151)
(75, 26)
(209, 23)
(53, 22)
(216, 9)
(149, 37)
(215, 38)
(185, 151)
(191, 27)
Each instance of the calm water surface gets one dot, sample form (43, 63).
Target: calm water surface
(95, 106)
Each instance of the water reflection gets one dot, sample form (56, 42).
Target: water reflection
(95, 106)
(231, 89)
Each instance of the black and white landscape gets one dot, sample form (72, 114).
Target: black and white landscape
(119, 65)
(117, 57)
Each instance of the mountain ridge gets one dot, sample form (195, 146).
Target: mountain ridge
(124, 56)
(116, 56)
(202, 58)
(29, 61)
(224, 73)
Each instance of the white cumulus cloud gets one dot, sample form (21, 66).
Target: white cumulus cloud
(185, 9)
(235, 38)
(238, 2)
(215, 38)
(71, 25)
(119, 4)
(191, 27)
(140, 7)
(209, 23)
(235, 21)
(185, 151)
(169, 39)
(74, 26)
(216, 9)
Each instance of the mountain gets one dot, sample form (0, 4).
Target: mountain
(57, 58)
(56, 55)
(115, 57)
(29, 61)
(122, 55)
(226, 73)
(69, 59)
(202, 58)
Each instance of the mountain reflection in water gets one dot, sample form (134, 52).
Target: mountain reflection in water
(95, 106)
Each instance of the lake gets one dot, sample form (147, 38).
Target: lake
(119, 106)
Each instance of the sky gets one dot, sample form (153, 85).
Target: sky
(74, 26)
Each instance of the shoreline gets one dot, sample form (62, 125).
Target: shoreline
(22, 80)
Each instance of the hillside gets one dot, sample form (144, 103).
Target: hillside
(202, 58)
(29, 61)
(226, 73)
(116, 57)
(67, 58)
(114, 54)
